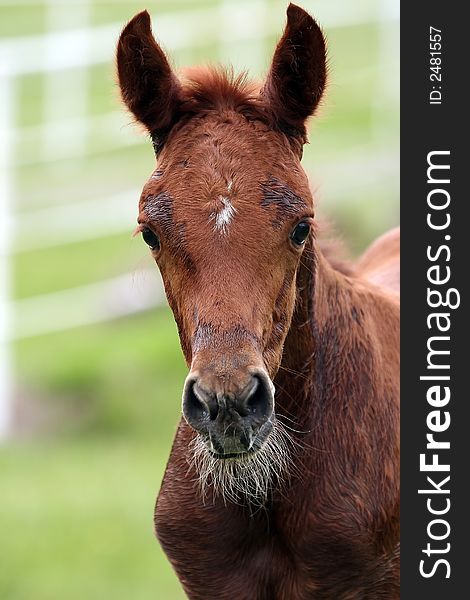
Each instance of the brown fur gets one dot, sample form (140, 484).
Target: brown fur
(329, 338)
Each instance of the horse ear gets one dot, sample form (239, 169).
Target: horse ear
(149, 88)
(297, 77)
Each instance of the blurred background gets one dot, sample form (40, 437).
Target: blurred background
(90, 366)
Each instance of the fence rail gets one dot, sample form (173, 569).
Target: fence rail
(88, 304)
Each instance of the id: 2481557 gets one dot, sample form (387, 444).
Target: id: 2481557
(435, 65)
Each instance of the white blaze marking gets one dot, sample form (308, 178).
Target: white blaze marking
(223, 217)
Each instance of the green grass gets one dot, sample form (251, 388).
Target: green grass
(119, 376)
(76, 508)
(76, 521)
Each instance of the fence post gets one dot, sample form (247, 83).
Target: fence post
(6, 123)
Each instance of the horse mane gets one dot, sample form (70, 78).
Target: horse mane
(219, 88)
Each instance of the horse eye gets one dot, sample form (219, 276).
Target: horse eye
(300, 233)
(151, 239)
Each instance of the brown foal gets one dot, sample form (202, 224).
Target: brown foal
(283, 479)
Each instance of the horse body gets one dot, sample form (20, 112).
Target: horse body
(282, 482)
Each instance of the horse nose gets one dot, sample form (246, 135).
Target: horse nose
(205, 408)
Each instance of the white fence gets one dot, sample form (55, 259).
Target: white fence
(64, 58)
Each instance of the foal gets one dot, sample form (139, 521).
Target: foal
(282, 483)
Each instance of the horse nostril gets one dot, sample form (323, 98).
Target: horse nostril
(198, 405)
(260, 401)
(217, 413)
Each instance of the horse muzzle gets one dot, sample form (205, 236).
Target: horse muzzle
(233, 419)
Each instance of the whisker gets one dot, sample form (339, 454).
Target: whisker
(294, 400)
(286, 417)
(292, 429)
(294, 372)
(249, 478)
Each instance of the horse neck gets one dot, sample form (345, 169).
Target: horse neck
(325, 313)
(340, 361)
(337, 392)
